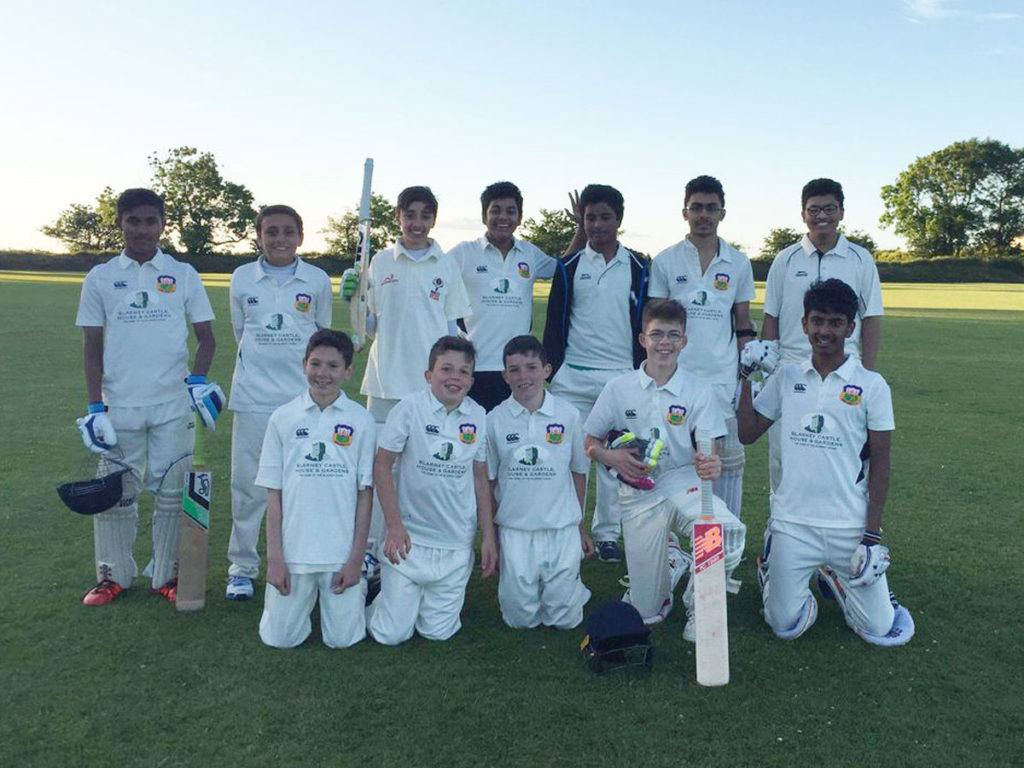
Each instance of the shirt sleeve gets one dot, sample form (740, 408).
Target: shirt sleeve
(90, 304)
(601, 420)
(237, 308)
(492, 451)
(367, 451)
(709, 416)
(773, 287)
(481, 449)
(325, 302)
(769, 401)
(456, 303)
(658, 288)
(371, 280)
(197, 303)
(871, 291)
(880, 413)
(745, 288)
(271, 470)
(543, 265)
(395, 433)
(578, 462)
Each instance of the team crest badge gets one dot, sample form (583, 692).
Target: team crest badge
(721, 282)
(166, 284)
(555, 433)
(467, 433)
(343, 435)
(435, 292)
(303, 301)
(676, 415)
(316, 451)
(524, 270)
(851, 394)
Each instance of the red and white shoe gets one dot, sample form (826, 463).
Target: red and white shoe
(105, 592)
(169, 590)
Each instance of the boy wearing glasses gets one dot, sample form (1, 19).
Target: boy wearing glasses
(715, 283)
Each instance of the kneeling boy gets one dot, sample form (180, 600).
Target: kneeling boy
(538, 474)
(317, 467)
(439, 433)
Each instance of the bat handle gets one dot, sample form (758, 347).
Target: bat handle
(198, 449)
(705, 448)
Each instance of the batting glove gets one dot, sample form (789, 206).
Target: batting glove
(349, 283)
(868, 564)
(96, 430)
(207, 398)
(647, 451)
(759, 356)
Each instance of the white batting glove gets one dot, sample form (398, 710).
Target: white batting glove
(207, 398)
(868, 564)
(759, 356)
(96, 430)
(349, 283)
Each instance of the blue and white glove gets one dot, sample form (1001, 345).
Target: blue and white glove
(349, 283)
(870, 560)
(96, 430)
(759, 356)
(207, 398)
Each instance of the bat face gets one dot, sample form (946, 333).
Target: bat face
(709, 586)
(194, 539)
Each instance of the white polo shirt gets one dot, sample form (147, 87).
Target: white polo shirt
(501, 293)
(413, 301)
(710, 351)
(634, 402)
(824, 429)
(793, 271)
(272, 324)
(436, 489)
(318, 460)
(532, 456)
(600, 334)
(144, 310)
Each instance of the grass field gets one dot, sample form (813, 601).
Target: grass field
(139, 684)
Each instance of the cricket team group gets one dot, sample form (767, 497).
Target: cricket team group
(474, 427)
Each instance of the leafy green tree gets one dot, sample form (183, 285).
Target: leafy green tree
(861, 238)
(776, 240)
(965, 199)
(88, 227)
(551, 232)
(342, 234)
(204, 211)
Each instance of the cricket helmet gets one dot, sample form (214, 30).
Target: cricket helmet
(98, 494)
(617, 638)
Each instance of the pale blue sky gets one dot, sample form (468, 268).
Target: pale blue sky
(457, 94)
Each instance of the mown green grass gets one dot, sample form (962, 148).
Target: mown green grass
(138, 684)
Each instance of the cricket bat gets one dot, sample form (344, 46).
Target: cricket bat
(358, 303)
(195, 531)
(709, 585)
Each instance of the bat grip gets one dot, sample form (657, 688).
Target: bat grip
(704, 447)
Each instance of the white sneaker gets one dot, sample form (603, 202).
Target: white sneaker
(239, 588)
(660, 616)
(678, 561)
(690, 630)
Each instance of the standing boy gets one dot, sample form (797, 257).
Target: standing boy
(835, 422)
(317, 467)
(277, 303)
(715, 283)
(134, 312)
(499, 272)
(593, 326)
(439, 433)
(538, 474)
(661, 401)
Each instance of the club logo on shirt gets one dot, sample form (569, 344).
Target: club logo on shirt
(432, 429)
(303, 302)
(166, 284)
(467, 433)
(801, 273)
(681, 279)
(799, 387)
(444, 451)
(141, 300)
(699, 298)
(676, 414)
(253, 301)
(524, 270)
(120, 283)
(275, 322)
(501, 285)
(482, 269)
(343, 435)
(302, 432)
(851, 394)
(316, 451)
(529, 456)
(512, 437)
(585, 276)
(435, 292)
(721, 281)
(814, 423)
(631, 413)
(555, 433)
(389, 280)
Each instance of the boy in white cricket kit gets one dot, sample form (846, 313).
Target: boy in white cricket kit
(317, 467)
(134, 312)
(277, 303)
(836, 422)
(593, 323)
(661, 401)
(538, 474)
(715, 283)
(443, 496)
(499, 272)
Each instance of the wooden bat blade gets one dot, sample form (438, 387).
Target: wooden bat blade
(194, 540)
(358, 305)
(709, 604)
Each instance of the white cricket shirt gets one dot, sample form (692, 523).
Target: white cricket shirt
(500, 292)
(793, 271)
(823, 432)
(532, 456)
(272, 324)
(710, 352)
(413, 302)
(600, 334)
(144, 310)
(318, 460)
(436, 489)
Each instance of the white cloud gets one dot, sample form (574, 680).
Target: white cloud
(920, 11)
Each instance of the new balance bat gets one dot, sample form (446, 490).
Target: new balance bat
(358, 305)
(194, 530)
(709, 585)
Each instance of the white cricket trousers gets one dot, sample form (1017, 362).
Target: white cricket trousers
(248, 502)
(539, 577)
(285, 621)
(425, 593)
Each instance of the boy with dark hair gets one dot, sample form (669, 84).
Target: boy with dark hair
(317, 467)
(499, 271)
(134, 311)
(835, 425)
(593, 327)
(439, 433)
(538, 474)
(277, 302)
